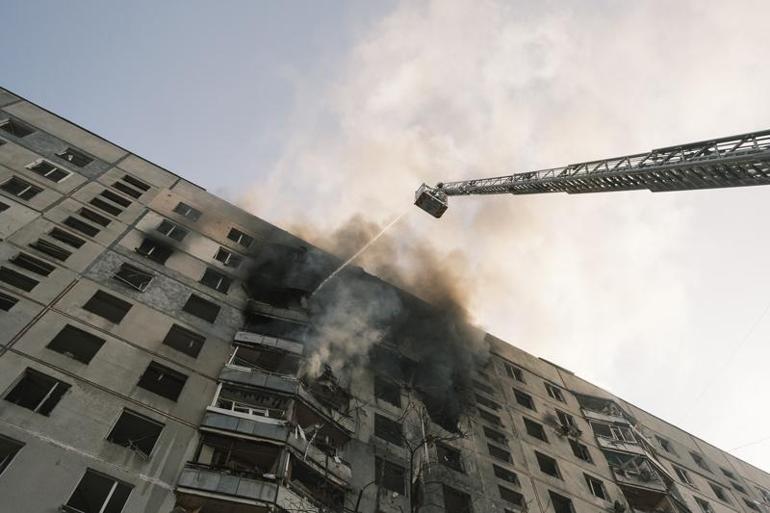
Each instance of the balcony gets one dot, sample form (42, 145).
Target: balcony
(609, 415)
(344, 421)
(217, 419)
(620, 445)
(211, 480)
(332, 466)
(259, 378)
(276, 343)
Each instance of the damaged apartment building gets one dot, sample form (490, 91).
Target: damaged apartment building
(154, 352)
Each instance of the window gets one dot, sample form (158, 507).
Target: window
(449, 457)
(492, 419)
(524, 399)
(33, 264)
(596, 486)
(511, 496)
(613, 431)
(125, 189)
(505, 474)
(228, 258)
(187, 211)
(514, 372)
(135, 431)
(387, 391)
(116, 198)
(580, 451)
(9, 448)
(77, 224)
(684, 476)
(388, 430)
(7, 302)
(3, 206)
(547, 464)
(106, 207)
(561, 504)
(665, 444)
(163, 381)
(16, 128)
(483, 387)
(765, 495)
(751, 504)
(16, 279)
(720, 492)
(155, 251)
(738, 487)
(20, 188)
(494, 435)
(98, 493)
(240, 238)
(37, 392)
(110, 307)
(76, 343)
(565, 419)
(134, 277)
(201, 308)
(49, 171)
(727, 473)
(456, 501)
(51, 249)
(172, 230)
(705, 506)
(535, 429)
(75, 157)
(480, 399)
(67, 238)
(500, 454)
(136, 183)
(700, 461)
(89, 214)
(184, 340)
(554, 392)
(216, 280)
(389, 476)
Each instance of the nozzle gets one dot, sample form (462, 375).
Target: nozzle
(432, 200)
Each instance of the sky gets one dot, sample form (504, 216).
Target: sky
(309, 113)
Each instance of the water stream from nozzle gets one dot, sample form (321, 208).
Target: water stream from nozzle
(358, 253)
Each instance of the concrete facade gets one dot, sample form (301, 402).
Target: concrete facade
(121, 297)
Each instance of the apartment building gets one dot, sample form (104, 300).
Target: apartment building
(152, 358)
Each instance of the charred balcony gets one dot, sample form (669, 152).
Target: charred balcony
(316, 487)
(636, 471)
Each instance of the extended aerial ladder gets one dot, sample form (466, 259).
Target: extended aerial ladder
(736, 161)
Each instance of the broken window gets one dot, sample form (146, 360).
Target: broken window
(16, 128)
(500, 454)
(727, 473)
(93, 216)
(135, 431)
(76, 343)
(163, 381)
(185, 210)
(201, 308)
(511, 496)
(48, 170)
(20, 188)
(561, 504)
(317, 486)
(107, 207)
(228, 258)
(239, 237)
(580, 451)
(8, 450)
(154, 250)
(483, 387)
(33, 264)
(77, 224)
(494, 435)
(108, 306)
(99, 493)
(16, 279)
(136, 183)
(524, 399)
(216, 280)
(456, 501)
(665, 444)
(704, 506)
(116, 198)
(505, 474)
(171, 230)
(700, 461)
(184, 340)
(389, 475)
(514, 372)
(388, 430)
(66, 238)
(684, 476)
(387, 391)
(449, 457)
(134, 277)
(489, 417)
(547, 464)
(37, 392)
(555, 392)
(596, 486)
(238, 457)
(480, 399)
(125, 189)
(565, 419)
(617, 432)
(75, 157)
(50, 249)
(7, 302)
(750, 503)
(535, 429)
(720, 492)
(738, 487)
(260, 403)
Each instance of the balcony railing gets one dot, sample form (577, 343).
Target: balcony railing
(248, 409)
(227, 482)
